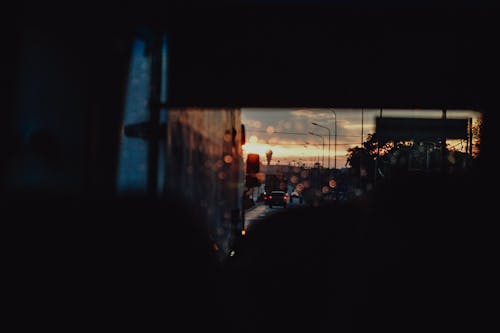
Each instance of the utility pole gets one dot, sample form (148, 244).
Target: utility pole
(362, 111)
(329, 135)
(378, 154)
(470, 136)
(443, 145)
(323, 144)
(335, 140)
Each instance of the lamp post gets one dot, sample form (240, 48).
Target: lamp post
(329, 134)
(323, 140)
(335, 140)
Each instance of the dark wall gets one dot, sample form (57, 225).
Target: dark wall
(313, 57)
(70, 63)
(68, 80)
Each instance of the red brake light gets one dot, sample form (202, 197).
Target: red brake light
(270, 197)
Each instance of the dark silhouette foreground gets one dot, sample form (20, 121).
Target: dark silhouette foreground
(407, 258)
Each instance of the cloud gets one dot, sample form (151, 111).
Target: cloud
(366, 127)
(313, 114)
(253, 139)
(299, 126)
(284, 125)
(251, 123)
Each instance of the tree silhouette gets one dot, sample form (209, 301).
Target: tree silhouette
(476, 137)
(396, 157)
(363, 157)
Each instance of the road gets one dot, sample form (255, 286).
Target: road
(260, 211)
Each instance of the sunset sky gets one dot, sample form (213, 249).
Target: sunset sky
(287, 131)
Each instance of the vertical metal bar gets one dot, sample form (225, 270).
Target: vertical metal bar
(162, 160)
(362, 112)
(443, 146)
(361, 155)
(154, 115)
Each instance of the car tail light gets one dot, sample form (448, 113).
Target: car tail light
(270, 197)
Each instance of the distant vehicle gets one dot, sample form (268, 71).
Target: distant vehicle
(295, 197)
(277, 198)
(264, 197)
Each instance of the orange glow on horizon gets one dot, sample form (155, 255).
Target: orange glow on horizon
(296, 139)
(307, 154)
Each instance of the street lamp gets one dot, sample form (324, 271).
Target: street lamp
(323, 140)
(329, 134)
(335, 139)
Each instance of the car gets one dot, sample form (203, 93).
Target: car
(277, 198)
(296, 197)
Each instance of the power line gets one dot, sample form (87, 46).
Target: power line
(290, 144)
(296, 133)
(276, 132)
(304, 144)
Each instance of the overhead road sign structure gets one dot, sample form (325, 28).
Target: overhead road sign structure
(395, 128)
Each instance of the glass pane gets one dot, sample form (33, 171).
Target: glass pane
(132, 163)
